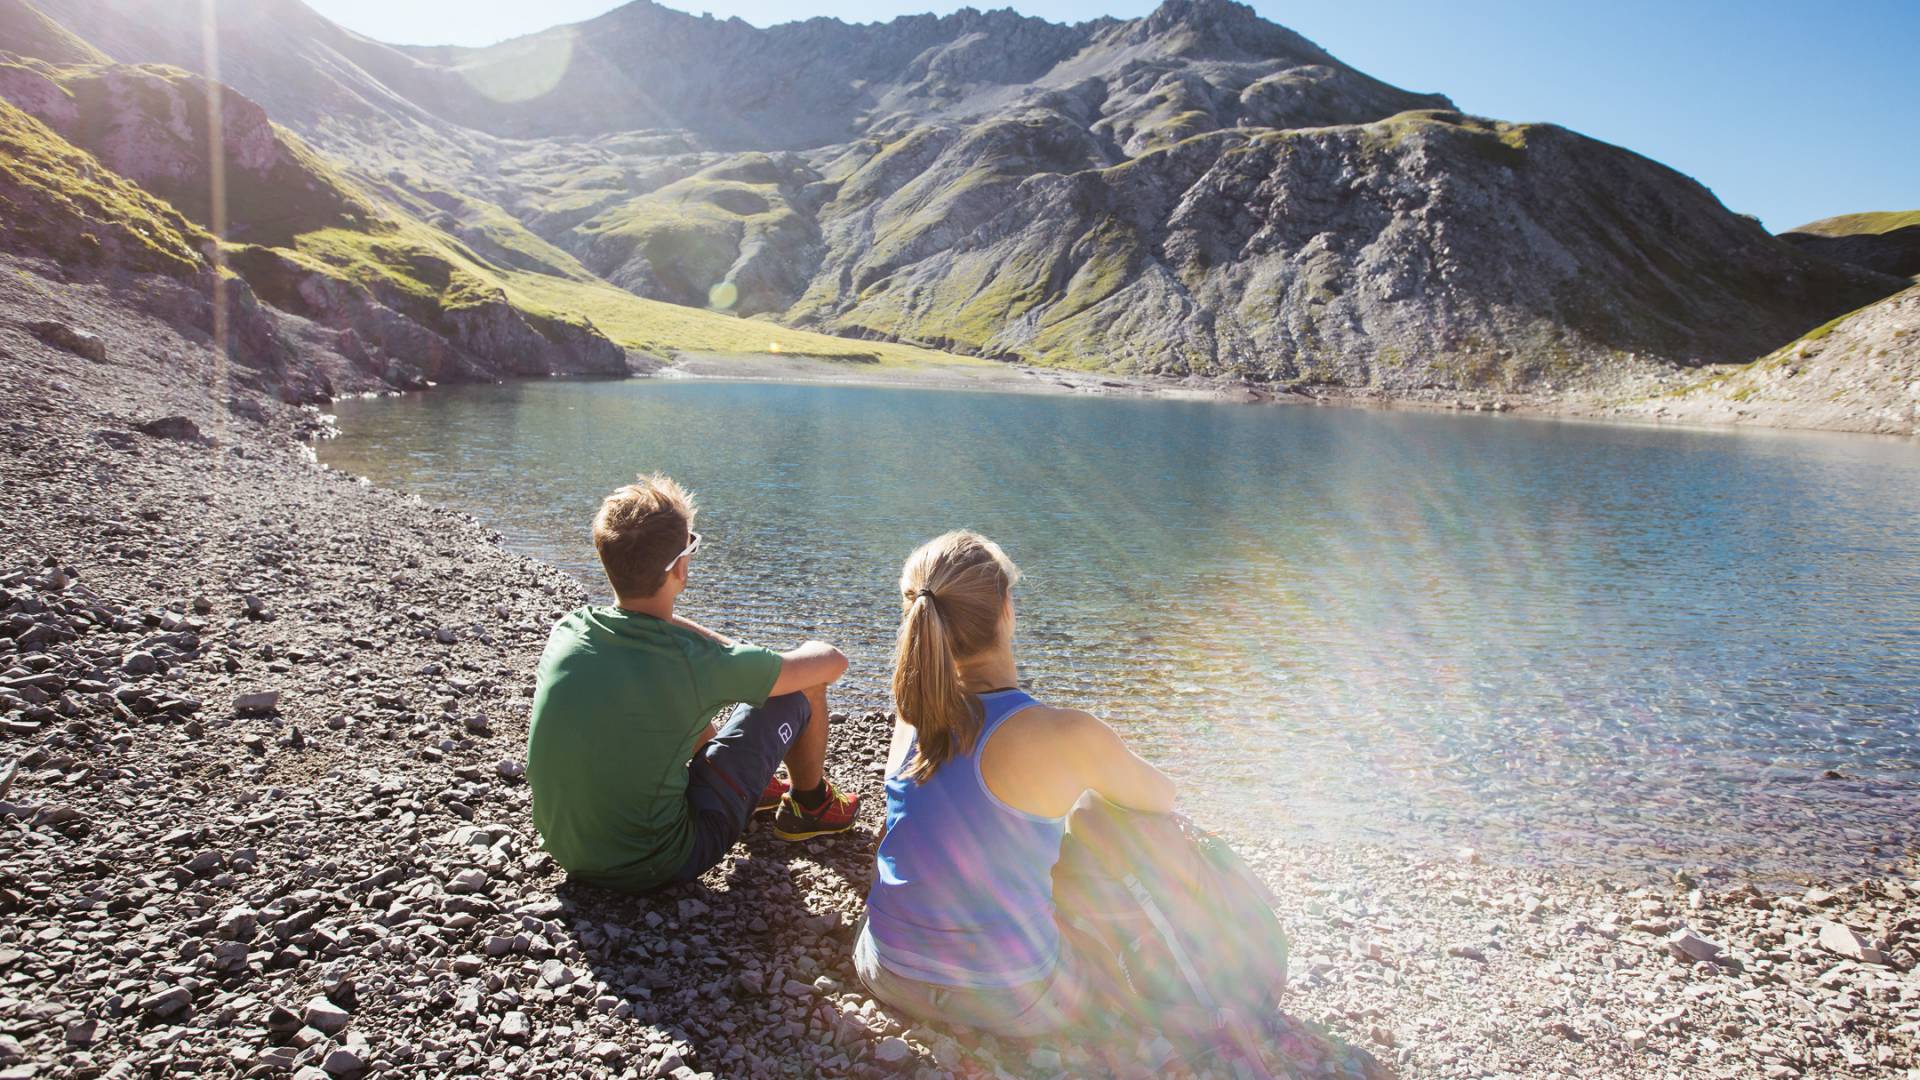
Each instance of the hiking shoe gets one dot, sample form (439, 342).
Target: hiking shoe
(836, 815)
(770, 798)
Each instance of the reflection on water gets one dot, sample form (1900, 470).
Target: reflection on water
(1611, 646)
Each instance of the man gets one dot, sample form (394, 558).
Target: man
(627, 694)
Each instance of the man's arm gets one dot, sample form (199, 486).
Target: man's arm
(814, 664)
(706, 736)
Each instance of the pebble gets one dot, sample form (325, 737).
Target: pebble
(1684, 944)
(324, 1016)
(166, 1003)
(263, 701)
(1842, 940)
(471, 880)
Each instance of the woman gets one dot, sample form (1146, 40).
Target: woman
(980, 777)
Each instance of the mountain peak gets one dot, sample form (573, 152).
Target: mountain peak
(1173, 13)
(1221, 30)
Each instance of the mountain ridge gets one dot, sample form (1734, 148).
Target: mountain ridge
(1886, 241)
(1197, 192)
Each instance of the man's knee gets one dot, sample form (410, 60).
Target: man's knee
(792, 709)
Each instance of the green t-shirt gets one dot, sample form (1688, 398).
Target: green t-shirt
(619, 700)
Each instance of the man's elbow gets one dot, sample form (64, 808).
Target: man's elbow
(836, 660)
(824, 658)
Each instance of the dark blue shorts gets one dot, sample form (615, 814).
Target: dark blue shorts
(732, 770)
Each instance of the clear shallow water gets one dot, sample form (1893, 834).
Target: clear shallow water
(1615, 647)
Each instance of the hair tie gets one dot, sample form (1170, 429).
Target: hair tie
(928, 593)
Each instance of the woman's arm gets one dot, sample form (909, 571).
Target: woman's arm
(897, 749)
(1102, 763)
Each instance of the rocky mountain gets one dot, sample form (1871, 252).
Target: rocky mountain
(106, 173)
(29, 32)
(1195, 192)
(1192, 65)
(1888, 242)
(151, 124)
(1860, 372)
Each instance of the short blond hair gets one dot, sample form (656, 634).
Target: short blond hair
(638, 531)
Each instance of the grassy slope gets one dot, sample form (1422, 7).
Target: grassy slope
(428, 265)
(1869, 223)
(57, 198)
(438, 251)
(380, 241)
(1734, 376)
(27, 31)
(658, 327)
(712, 209)
(1086, 290)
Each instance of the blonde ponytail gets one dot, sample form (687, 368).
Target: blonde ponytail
(952, 591)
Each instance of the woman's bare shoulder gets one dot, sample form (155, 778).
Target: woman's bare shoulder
(1052, 722)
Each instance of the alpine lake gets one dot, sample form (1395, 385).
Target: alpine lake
(1573, 644)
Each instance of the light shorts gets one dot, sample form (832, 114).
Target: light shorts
(1017, 1012)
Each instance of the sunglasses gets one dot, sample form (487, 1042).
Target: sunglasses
(693, 545)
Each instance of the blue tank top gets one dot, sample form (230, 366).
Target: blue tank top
(963, 891)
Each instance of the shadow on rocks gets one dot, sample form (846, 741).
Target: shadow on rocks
(737, 972)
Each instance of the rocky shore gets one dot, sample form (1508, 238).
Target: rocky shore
(262, 813)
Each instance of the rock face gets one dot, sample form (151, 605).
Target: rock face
(1191, 65)
(1860, 372)
(1886, 242)
(60, 203)
(1428, 249)
(137, 194)
(151, 125)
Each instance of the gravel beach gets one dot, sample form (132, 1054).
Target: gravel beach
(262, 813)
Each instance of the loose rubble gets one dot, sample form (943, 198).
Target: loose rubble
(263, 812)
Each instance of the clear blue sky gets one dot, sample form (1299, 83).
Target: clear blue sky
(1788, 111)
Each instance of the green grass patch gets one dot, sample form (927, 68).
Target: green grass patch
(59, 199)
(660, 328)
(1870, 223)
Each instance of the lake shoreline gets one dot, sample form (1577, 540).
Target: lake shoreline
(1643, 396)
(346, 874)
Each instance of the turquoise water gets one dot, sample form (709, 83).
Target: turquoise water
(1610, 646)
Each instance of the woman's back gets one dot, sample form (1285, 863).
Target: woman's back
(963, 889)
(960, 920)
